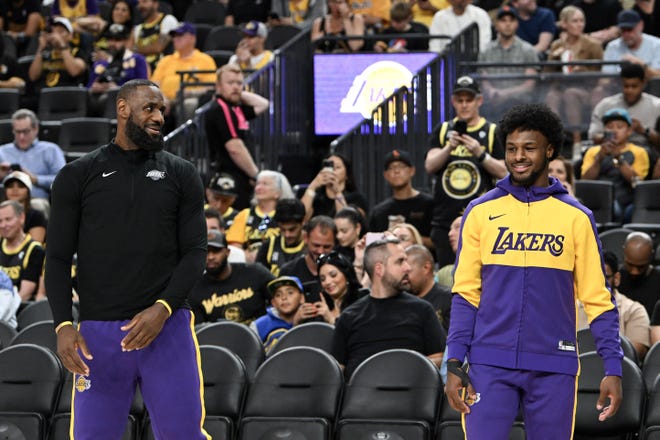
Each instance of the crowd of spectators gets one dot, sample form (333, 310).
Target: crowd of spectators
(277, 258)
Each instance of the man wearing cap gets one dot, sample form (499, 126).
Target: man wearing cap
(289, 243)
(185, 58)
(618, 161)
(414, 206)
(250, 53)
(122, 65)
(38, 159)
(633, 45)
(18, 186)
(221, 195)
(511, 50)
(21, 257)
(451, 21)
(232, 291)
(643, 108)
(152, 36)
(57, 61)
(227, 130)
(466, 157)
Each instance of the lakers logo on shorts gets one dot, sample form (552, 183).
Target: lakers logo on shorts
(83, 384)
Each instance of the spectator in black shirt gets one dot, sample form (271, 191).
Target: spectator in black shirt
(10, 77)
(401, 23)
(233, 291)
(639, 278)
(388, 317)
(21, 20)
(227, 130)
(18, 186)
(411, 205)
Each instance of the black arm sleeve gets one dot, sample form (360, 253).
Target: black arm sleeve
(35, 264)
(62, 243)
(192, 239)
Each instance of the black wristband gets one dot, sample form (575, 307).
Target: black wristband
(456, 367)
(482, 156)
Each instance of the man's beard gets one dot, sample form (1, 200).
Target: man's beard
(141, 138)
(215, 271)
(396, 285)
(533, 176)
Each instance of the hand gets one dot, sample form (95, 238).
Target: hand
(144, 327)
(242, 51)
(99, 55)
(453, 390)
(69, 341)
(469, 142)
(637, 126)
(43, 40)
(323, 311)
(305, 311)
(610, 388)
(325, 177)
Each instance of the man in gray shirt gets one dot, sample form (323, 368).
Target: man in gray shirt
(508, 48)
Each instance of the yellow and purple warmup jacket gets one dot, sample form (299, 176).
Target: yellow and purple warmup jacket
(524, 256)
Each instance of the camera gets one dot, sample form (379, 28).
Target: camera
(608, 135)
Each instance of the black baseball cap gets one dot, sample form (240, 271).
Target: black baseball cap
(398, 156)
(466, 84)
(506, 10)
(216, 239)
(223, 183)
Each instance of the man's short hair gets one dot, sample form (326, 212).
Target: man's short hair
(632, 70)
(129, 87)
(16, 206)
(377, 252)
(418, 252)
(323, 223)
(635, 237)
(533, 117)
(400, 11)
(24, 113)
(214, 213)
(233, 68)
(289, 210)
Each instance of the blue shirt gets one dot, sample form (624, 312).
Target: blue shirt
(43, 159)
(648, 51)
(542, 20)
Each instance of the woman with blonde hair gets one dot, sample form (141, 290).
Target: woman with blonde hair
(407, 234)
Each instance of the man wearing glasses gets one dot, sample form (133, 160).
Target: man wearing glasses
(40, 160)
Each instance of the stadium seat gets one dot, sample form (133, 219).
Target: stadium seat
(395, 393)
(30, 381)
(58, 103)
(628, 420)
(221, 57)
(79, 136)
(7, 333)
(203, 30)
(6, 131)
(238, 338)
(646, 212)
(40, 333)
(652, 421)
(597, 195)
(206, 12)
(295, 395)
(586, 344)
(651, 366)
(35, 311)
(223, 38)
(280, 35)
(613, 240)
(9, 102)
(311, 334)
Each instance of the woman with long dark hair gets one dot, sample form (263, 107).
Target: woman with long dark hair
(339, 285)
(333, 189)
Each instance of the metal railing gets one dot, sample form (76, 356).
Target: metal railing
(406, 118)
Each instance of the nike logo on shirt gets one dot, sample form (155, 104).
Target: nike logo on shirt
(108, 174)
(493, 217)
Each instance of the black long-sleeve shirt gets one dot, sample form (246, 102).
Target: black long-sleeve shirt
(136, 221)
